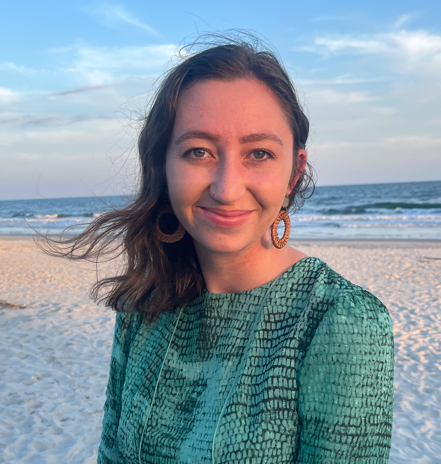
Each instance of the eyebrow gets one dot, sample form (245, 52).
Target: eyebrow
(196, 134)
(256, 137)
(259, 136)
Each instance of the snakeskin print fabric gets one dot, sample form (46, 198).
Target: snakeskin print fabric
(314, 385)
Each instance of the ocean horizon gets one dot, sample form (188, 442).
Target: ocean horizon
(399, 210)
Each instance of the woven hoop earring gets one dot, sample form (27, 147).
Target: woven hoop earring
(168, 238)
(281, 242)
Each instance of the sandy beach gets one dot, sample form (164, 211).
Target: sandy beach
(55, 347)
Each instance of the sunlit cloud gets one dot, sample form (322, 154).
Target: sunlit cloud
(406, 19)
(410, 142)
(28, 156)
(8, 95)
(46, 120)
(334, 44)
(413, 45)
(331, 97)
(344, 80)
(10, 66)
(100, 65)
(417, 44)
(113, 15)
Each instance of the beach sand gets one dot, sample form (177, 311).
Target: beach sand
(55, 347)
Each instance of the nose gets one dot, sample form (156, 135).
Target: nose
(228, 185)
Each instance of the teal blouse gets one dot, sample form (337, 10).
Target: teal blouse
(299, 370)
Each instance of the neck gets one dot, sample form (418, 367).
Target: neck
(249, 268)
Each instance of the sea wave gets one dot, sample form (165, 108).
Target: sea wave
(53, 216)
(401, 218)
(371, 207)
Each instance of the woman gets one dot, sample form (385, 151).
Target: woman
(230, 345)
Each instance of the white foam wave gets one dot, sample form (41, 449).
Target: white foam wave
(364, 218)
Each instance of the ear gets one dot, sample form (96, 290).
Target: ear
(302, 157)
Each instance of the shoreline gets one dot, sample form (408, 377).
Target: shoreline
(291, 241)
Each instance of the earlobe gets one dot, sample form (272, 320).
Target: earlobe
(302, 157)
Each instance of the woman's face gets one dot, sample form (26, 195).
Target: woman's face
(228, 163)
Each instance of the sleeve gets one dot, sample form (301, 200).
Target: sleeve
(346, 385)
(108, 452)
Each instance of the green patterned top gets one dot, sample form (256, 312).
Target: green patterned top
(299, 370)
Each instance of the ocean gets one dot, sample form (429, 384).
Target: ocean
(409, 210)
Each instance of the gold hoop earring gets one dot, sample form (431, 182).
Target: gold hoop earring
(168, 238)
(282, 216)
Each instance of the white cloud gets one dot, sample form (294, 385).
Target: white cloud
(101, 65)
(411, 43)
(28, 156)
(341, 80)
(10, 66)
(410, 142)
(419, 43)
(406, 19)
(330, 97)
(111, 15)
(328, 45)
(43, 120)
(415, 53)
(414, 142)
(66, 139)
(8, 95)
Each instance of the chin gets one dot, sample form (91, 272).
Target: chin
(223, 244)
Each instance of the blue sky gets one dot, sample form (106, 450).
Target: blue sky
(75, 79)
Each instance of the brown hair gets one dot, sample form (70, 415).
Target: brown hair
(159, 276)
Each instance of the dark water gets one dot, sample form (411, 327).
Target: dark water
(399, 210)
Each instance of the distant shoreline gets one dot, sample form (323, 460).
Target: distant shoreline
(293, 241)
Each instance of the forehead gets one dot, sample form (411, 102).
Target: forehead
(237, 106)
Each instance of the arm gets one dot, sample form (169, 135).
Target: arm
(346, 384)
(108, 452)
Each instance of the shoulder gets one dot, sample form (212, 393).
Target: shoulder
(350, 329)
(327, 285)
(330, 300)
(352, 304)
(354, 321)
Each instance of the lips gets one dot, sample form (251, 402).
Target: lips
(224, 218)
(222, 212)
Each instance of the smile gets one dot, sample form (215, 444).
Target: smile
(223, 218)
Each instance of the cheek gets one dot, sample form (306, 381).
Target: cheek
(270, 189)
(176, 183)
(184, 186)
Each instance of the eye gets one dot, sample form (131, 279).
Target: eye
(261, 154)
(198, 152)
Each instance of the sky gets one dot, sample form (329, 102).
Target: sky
(76, 78)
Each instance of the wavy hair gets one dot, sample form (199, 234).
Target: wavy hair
(156, 276)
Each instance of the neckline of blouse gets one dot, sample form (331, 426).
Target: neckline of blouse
(256, 290)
